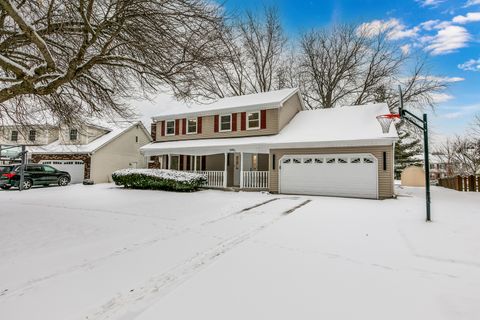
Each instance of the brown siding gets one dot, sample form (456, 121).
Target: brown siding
(208, 132)
(385, 177)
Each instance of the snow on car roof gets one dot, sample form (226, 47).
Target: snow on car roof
(336, 127)
(256, 101)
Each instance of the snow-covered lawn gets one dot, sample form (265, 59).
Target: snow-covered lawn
(103, 252)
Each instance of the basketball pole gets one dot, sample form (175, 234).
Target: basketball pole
(422, 124)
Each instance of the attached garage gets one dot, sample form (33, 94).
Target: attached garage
(76, 168)
(344, 175)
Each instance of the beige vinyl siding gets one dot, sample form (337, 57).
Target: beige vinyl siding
(208, 129)
(43, 135)
(385, 177)
(120, 153)
(85, 134)
(289, 109)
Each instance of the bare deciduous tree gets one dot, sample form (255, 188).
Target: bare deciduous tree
(76, 59)
(475, 127)
(345, 65)
(463, 153)
(249, 61)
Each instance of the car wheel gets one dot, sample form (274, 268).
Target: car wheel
(63, 181)
(6, 187)
(27, 184)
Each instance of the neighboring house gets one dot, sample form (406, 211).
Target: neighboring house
(440, 167)
(94, 152)
(32, 135)
(267, 141)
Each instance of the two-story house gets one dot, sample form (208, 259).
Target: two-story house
(31, 135)
(268, 141)
(86, 151)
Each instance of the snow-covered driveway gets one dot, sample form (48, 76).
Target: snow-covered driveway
(102, 252)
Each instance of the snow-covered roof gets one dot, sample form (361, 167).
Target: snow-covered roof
(336, 127)
(59, 147)
(249, 102)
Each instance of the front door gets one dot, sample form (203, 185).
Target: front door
(236, 169)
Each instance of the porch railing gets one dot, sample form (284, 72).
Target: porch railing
(255, 179)
(214, 178)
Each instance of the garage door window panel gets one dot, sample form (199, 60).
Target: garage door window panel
(368, 160)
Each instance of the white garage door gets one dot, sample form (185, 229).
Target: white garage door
(74, 167)
(345, 175)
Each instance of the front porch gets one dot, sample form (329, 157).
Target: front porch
(236, 170)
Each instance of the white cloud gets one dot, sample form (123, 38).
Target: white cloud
(447, 40)
(470, 17)
(470, 65)
(430, 3)
(435, 24)
(394, 29)
(441, 97)
(453, 115)
(406, 49)
(446, 79)
(471, 3)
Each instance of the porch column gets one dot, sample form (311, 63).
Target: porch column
(241, 170)
(195, 163)
(225, 171)
(169, 161)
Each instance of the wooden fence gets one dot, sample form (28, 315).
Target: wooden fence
(459, 183)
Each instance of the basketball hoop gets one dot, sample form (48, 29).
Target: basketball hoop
(386, 120)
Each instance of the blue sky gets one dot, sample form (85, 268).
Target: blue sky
(448, 31)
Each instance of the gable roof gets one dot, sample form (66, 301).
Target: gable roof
(249, 102)
(336, 127)
(58, 147)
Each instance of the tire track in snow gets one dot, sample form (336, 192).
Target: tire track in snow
(90, 264)
(139, 299)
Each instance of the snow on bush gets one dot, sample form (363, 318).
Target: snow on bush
(159, 179)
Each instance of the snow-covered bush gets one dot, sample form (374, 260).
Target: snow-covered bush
(158, 179)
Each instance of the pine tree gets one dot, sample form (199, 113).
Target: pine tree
(407, 151)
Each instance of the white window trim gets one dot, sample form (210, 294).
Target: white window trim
(166, 126)
(196, 125)
(259, 120)
(34, 135)
(220, 122)
(16, 135)
(70, 134)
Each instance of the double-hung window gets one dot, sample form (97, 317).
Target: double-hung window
(32, 135)
(14, 136)
(253, 120)
(73, 134)
(191, 126)
(169, 127)
(226, 122)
